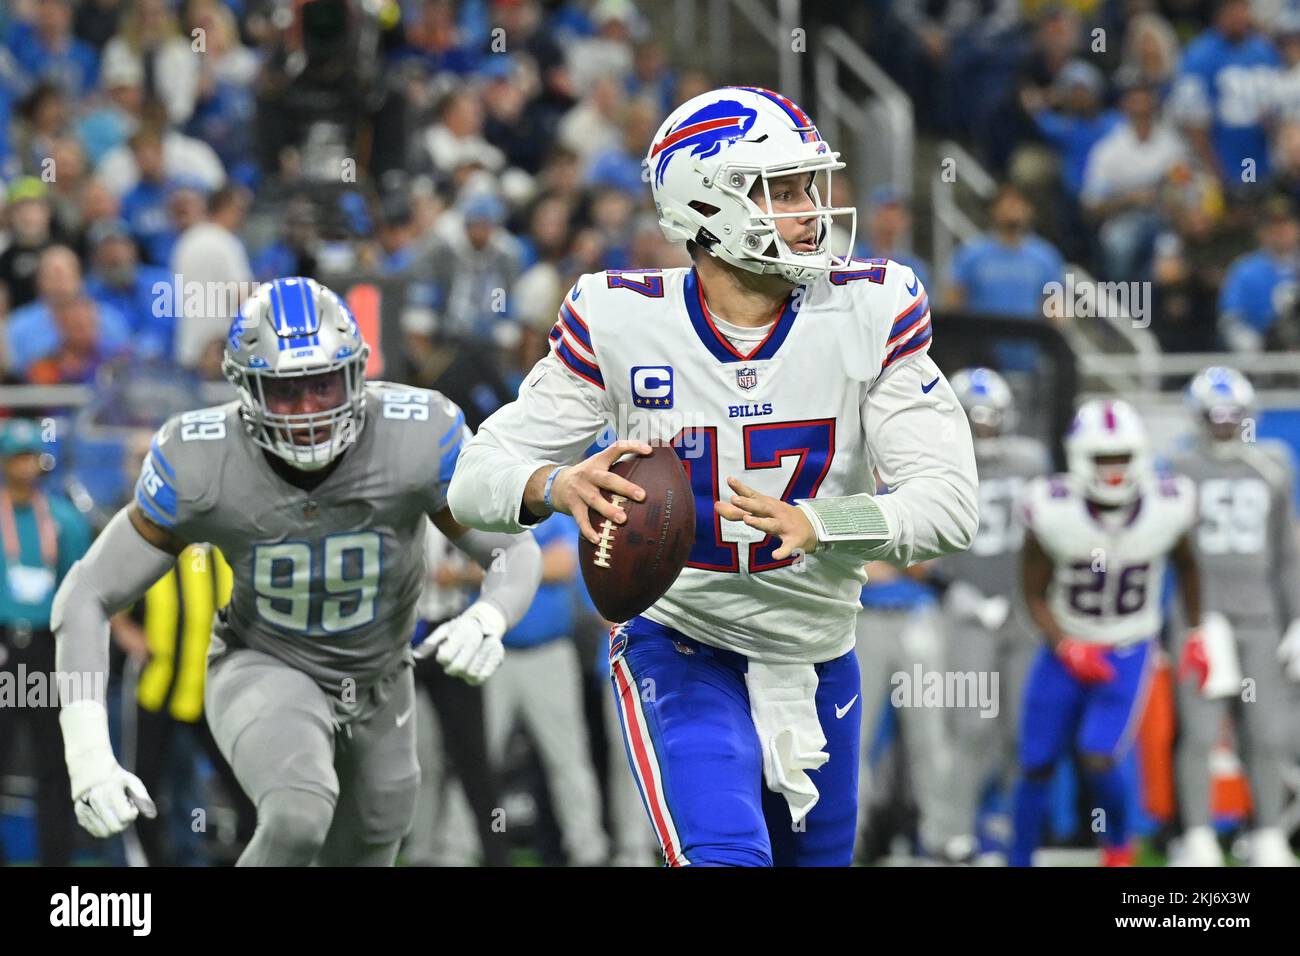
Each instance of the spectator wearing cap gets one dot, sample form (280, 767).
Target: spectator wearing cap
(136, 290)
(41, 536)
(1006, 271)
(1078, 122)
(889, 222)
(1122, 179)
(30, 235)
(48, 50)
(1220, 97)
(210, 254)
(34, 331)
(511, 122)
(149, 35)
(81, 348)
(478, 269)
(1260, 285)
(182, 156)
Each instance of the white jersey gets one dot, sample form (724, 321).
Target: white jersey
(840, 388)
(1109, 566)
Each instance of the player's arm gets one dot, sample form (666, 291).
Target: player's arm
(469, 646)
(1086, 661)
(120, 566)
(1036, 571)
(1183, 558)
(526, 461)
(921, 444)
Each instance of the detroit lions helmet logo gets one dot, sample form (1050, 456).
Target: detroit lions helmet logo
(705, 131)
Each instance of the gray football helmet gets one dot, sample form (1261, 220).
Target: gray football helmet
(287, 331)
(987, 400)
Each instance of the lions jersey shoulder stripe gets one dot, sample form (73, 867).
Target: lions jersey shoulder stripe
(181, 468)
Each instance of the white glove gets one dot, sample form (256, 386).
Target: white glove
(469, 646)
(1288, 652)
(107, 798)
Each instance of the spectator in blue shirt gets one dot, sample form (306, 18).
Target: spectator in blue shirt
(32, 332)
(139, 292)
(144, 207)
(42, 535)
(540, 683)
(888, 224)
(1080, 122)
(47, 49)
(1223, 94)
(1005, 272)
(1260, 284)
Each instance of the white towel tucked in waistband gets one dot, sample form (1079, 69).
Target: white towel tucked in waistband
(783, 704)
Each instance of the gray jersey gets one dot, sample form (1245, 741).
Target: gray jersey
(325, 580)
(991, 565)
(1246, 534)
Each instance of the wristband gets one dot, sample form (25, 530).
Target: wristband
(854, 518)
(550, 483)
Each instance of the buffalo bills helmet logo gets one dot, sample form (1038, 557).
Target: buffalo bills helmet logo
(705, 131)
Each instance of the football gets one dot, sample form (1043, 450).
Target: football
(636, 562)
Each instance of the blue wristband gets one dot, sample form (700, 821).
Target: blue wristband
(550, 483)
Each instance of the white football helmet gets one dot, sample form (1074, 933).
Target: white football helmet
(291, 329)
(987, 399)
(1220, 399)
(707, 157)
(1108, 427)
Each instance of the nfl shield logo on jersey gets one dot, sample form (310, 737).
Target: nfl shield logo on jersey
(747, 378)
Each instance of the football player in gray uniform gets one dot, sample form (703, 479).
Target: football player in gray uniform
(1251, 568)
(314, 484)
(987, 628)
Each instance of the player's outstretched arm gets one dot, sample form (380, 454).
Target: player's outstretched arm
(469, 646)
(921, 443)
(124, 561)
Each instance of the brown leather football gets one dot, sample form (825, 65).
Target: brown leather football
(637, 561)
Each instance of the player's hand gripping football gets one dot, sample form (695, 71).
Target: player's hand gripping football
(468, 646)
(581, 484)
(770, 515)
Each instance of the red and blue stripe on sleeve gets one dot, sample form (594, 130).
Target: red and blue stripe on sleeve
(910, 332)
(571, 344)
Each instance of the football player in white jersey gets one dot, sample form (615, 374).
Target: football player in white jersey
(1097, 543)
(787, 377)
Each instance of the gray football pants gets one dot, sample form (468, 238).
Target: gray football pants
(337, 797)
(892, 642)
(542, 686)
(1264, 730)
(984, 744)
